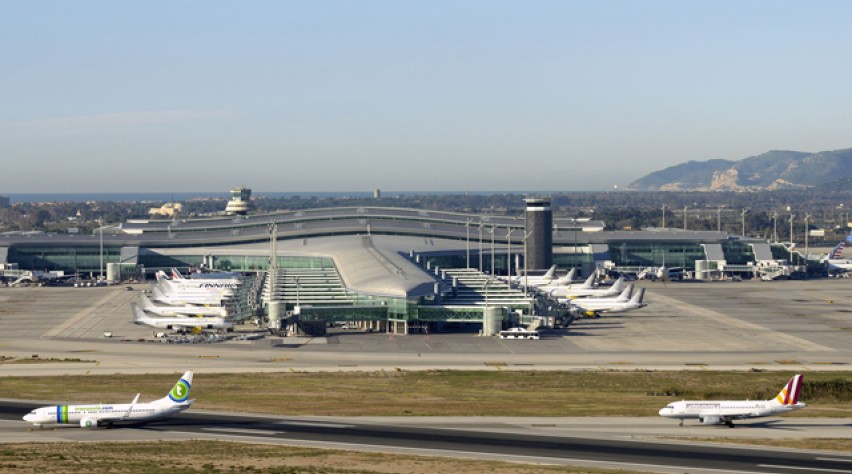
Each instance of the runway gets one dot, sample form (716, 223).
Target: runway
(491, 439)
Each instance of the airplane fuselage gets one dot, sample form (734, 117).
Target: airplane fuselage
(121, 412)
(713, 412)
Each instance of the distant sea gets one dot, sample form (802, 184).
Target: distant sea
(171, 197)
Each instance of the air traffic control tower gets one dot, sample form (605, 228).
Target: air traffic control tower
(539, 228)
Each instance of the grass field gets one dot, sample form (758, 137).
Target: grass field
(220, 457)
(447, 393)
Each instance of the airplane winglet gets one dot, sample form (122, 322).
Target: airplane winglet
(130, 408)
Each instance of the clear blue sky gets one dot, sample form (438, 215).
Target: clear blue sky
(409, 95)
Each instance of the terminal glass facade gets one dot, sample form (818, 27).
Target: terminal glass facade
(656, 253)
(71, 260)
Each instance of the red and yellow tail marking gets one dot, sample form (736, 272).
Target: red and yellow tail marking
(789, 395)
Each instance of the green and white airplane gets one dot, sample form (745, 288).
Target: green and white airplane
(93, 416)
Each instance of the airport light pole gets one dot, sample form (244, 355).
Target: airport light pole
(485, 311)
(298, 286)
(493, 229)
(467, 229)
(480, 246)
(807, 218)
(575, 244)
(684, 216)
(792, 216)
(719, 218)
(664, 215)
(526, 270)
(101, 231)
(775, 226)
(509, 254)
(744, 213)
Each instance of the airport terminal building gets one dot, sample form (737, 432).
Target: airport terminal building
(405, 266)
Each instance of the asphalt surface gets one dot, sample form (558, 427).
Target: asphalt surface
(791, 326)
(471, 442)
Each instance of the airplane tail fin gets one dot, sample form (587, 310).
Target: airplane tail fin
(618, 286)
(139, 316)
(550, 273)
(638, 297)
(837, 253)
(179, 394)
(158, 294)
(789, 395)
(572, 274)
(625, 295)
(176, 274)
(161, 275)
(590, 282)
(146, 302)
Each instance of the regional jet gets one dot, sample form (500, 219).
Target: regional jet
(725, 412)
(93, 416)
(180, 323)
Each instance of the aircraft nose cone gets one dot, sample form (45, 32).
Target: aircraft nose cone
(664, 411)
(28, 417)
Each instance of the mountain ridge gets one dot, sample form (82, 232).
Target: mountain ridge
(775, 169)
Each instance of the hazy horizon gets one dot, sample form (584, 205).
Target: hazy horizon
(290, 96)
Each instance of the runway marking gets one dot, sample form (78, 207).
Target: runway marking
(810, 469)
(244, 431)
(834, 459)
(317, 424)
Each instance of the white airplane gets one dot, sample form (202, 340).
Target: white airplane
(568, 293)
(593, 307)
(183, 323)
(561, 282)
(196, 287)
(172, 297)
(93, 416)
(836, 262)
(177, 275)
(533, 280)
(183, 310)
(725, 412)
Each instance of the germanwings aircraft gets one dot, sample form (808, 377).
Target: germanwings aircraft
(185, 323)
(594, 306)
(93, 416)
(718, 412)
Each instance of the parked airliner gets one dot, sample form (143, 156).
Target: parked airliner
(93, 416)
(183, 310)
(595, 306)
(179, 323)
(725, 412)
(586, 289)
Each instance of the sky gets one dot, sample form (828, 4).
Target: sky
(298, 96)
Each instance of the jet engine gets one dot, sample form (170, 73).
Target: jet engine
(711, 420)
(88, 423)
